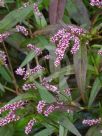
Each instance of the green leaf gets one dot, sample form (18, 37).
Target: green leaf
(14, 41)
(26, 96)
(14, 17)
(2, 88)
(7, 130)
(95, 89)
(97, 46)
(41, 22)
(94, 131)
(68, 70)
(45, 95)
(5, 74)
(61, 130)
(28, 58)
(80, 65)
(45, 132)
(69, 125)
(78, 12)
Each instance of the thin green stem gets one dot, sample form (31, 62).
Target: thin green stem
(12, 73)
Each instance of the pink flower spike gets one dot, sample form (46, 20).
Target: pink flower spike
(28, 86)
(29, 126)
(67, 91)
(11, 117)
(3, 58)
(91, 122)
(36, 10)
(41, 106)
(37, 51)
(22, 29)
(100, 52)
(3, 36)
(97, 3)
(49, 110)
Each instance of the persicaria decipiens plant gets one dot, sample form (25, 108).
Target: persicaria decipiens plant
(45, 89)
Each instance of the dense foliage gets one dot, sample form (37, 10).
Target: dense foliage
(50, 67)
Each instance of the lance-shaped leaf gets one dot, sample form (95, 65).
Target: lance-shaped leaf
(69, 125)
(14, 17)
(94, 131)
(95, 90)
(80, 65)
(56, 10)
(78, 12)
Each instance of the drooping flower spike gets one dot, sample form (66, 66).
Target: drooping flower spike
(62, 41)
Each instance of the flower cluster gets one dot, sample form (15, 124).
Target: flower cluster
(2, 3)
(97, 3)
(27, 73)
(49, 87)
(100, 52)
(47, 57)
(22, 29)
(20, 71)
(62, 40)
(41, 106)
(91, 122)
(36, 10)
(49, 110)
(3, 58)
(67, 91)
(26, 4)
(3, 36)
(12, 107)
(11, 117)
(30, 72)
(37, 51)
(28, 86)
(46, 109)
(29, 126)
